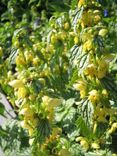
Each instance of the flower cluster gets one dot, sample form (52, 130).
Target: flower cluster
(93, 68)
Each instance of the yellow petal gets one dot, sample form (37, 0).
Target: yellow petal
(16, 84)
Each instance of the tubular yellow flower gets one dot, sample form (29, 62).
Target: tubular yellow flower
(79, 139)
(80, 85)
(82, 93)
(81, 3)
(90, 70)
(50, 116)
(94, 96)
(50, 103)
(54, 39)
(84, 144)
(102, 69)
(97, 18)
(20, 60)
(114, 125)
(96, 12)
(16, 84)
(105, 93)
(95, 127)
(24, 124)
(95, 145)
(111, 130)
(88, 45)
(22, 92)
(76, 40)
(27, 112)
(66, 26)
(30, 131)
(103, 32)
(87, 36)
(31, 141)
(35, 61)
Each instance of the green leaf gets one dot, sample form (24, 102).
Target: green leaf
(86, 109)
(73, 4)
(13, 56)
(82, 126)
(65, 110)
(14, 140)
(2, 109)
(43, 130)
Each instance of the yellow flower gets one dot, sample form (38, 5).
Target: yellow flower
(20, 60)
(91, 70)
(103, 63)
(87, 36)
(16, 84)
(50, 103)
(24, 124)
(31, 141)
(112, 130)
(56, 131)
(97, 18)
(95, 145)
(102, 68)
(66, 26)
(96, 12)
(53, 39)
(50, 116)
(114, 125)
(88, 45)
(35, 61)
(79, 139)
(55, 102)
(22, 92)
(45, 99)
(64, 152)
(32, 97)
(95, 127)
(105, 93)
(94, 96)
(80, 85)
(34, 121)
(81, 3)
(30, 131)
(103, 32)
(76, 40)
(27, 112)
(42, 80)
(28, 55)
(82, 93)
(84, 144)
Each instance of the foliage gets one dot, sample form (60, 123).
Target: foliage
(14, 140)
(58, 70)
